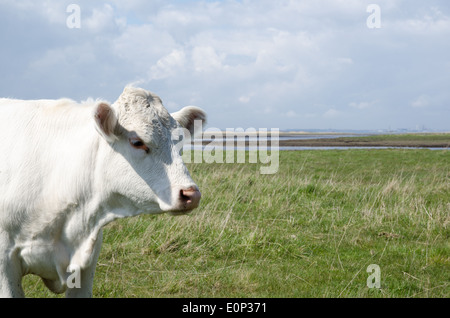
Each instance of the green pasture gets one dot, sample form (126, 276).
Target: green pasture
(310, 230)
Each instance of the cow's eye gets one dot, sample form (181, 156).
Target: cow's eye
(139, 144)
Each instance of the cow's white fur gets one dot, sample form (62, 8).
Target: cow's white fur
(67, 169)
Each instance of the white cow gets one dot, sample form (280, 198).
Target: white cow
(68, 169)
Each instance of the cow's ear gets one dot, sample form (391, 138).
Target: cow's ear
(189, 117)
(105, 121)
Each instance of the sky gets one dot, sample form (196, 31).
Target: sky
(287, 64)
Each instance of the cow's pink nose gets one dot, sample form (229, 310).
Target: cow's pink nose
(190, 198)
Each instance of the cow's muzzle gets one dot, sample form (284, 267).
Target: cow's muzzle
(188, 200)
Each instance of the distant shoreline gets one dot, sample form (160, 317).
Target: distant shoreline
(429, 140)
(344, 142)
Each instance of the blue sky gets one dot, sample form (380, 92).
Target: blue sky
(287, 64)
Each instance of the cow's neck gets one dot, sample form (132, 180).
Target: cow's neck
(69, 231)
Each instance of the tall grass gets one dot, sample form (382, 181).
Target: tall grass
(311, 230)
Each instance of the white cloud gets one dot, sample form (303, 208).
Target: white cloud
(361, 105)
(331, 113)
(179, 17)
(244, 99)
(205, 59)
(101, 19)
(291, 114)
(142, 46)
(344, 60)
(168, 65)
(432, 22)
(421, 102)
(53, 12)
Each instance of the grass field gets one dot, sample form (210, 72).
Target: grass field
(310, 230)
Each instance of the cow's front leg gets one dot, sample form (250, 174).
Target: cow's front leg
(10, 272)
(83, 287)
(10, 279)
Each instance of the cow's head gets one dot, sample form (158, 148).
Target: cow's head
(142, 168)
